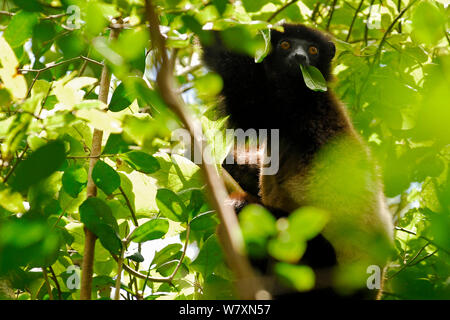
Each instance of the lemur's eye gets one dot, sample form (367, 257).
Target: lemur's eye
(285, 45)
(313, 50)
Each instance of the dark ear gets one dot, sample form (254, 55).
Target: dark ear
(332, 49)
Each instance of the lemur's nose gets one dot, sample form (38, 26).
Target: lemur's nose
(301, 57)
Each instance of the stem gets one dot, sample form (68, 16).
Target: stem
(119, 275)
(15, 164)
(366, 27)
(161, 279)
(389, 29)
(281, 9)
(56, 282)
(90, 238)
(353, 21)
(133, 215)
(331, 14)
(230, 234)
(47, 284)
(53, 65)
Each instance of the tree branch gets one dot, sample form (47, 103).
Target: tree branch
(168, 279)
(230, 235)
(96, 150)
(353, 21)
(281, 9)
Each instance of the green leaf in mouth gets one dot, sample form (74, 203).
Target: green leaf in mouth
(313, 78)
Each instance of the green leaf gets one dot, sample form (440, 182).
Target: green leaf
(209, 257)
(116, 144)
(142, 161)
(29, 5)
(306, 223)
(196, 202)
(119, 99)
(151, 230)
(428, 22)
(105, 177)
(171, 206)
(286, 249)
(204, 221)
(169, 252)
(313, 78)
(256, 222)
(262, 52)
(97, 217)
(39, 165)
(20, 29)
(300, 277)
(136, 256)
(74, 180)
(257, 226)
(254, 5)
(208, 85)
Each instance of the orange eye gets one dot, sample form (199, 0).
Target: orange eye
(313, 50)
(285, 45)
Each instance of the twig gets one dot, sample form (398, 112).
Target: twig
(161, 279)
(90, 157)
(189, 70)
(15, 164)
(424, 238)
(90, 238)
(119, 274)
(55, 280)
(230, 235)
(281, 9)
(353, 20)
(55, 16)
(57, 64)
(133, 215)
(330, 16)
(47, 284)
(366, 27)
(389, 29)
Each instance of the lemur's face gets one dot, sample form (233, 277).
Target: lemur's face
(306, 46)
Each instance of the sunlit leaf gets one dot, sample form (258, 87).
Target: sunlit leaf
(98, 218)
(300, 277)
(313, 78)
(48, 159)
(171, 205)
(105, 177)
(153, 229)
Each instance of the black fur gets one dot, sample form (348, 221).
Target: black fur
(273, 94)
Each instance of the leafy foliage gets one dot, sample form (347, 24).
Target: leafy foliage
(392, 69)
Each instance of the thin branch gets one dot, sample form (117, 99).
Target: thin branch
(426, 257)
(389, 29)
(424, 238)
(280, 10)
(133, 215)
(8, 175)
(51, 17)
(91, 157)
(189, 70)
(330, 16)
(57, 64)
(229, 231)
(55, 280)
(119, 274)
(90, 238)
(366, 27)
(161, 279)
(47, 284)
(353, 20)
